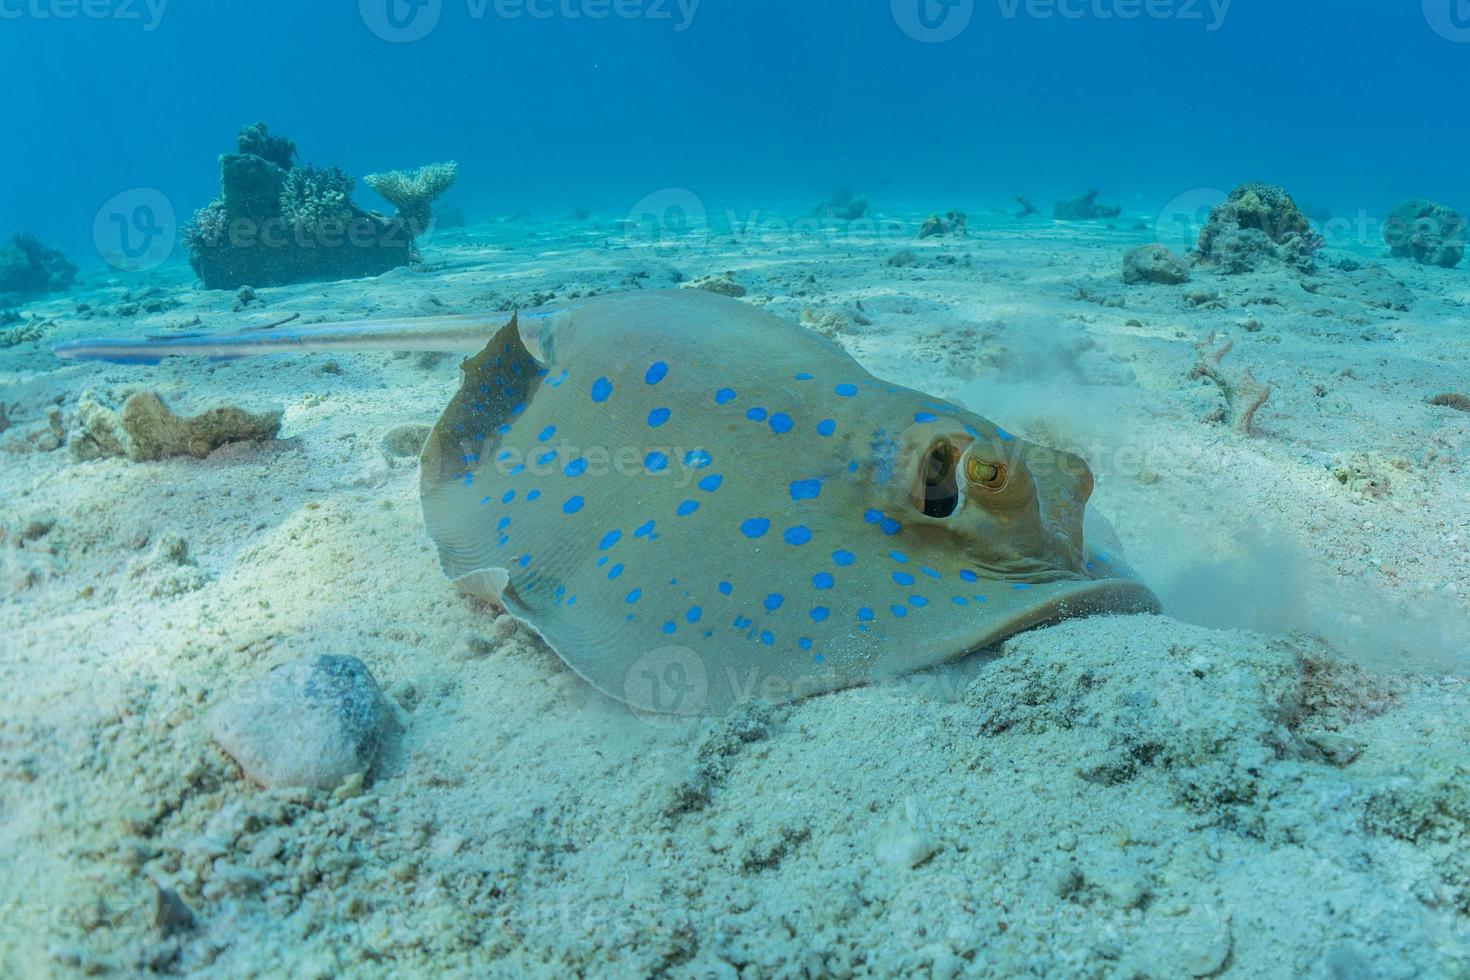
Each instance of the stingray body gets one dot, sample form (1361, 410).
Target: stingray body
(695, 502)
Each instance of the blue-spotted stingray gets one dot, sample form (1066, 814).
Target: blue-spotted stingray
(693, 501)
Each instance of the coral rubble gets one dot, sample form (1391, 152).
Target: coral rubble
(147, 429)
(277, 223)
(1154, 263)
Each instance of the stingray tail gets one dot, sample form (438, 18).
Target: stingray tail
(467, 334)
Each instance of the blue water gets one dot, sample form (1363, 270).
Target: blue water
(1352, 105)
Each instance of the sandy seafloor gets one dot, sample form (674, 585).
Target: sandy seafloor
(1273, 780)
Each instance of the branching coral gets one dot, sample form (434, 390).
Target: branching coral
(413, 193)
(1244, 396)
(313, 198)
(207, 229)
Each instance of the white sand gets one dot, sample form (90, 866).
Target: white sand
(1112, 797)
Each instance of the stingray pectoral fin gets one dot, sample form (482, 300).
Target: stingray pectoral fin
(443, 334)
(490, 584)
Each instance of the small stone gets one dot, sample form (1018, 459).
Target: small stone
(170, 914)
(723, 285)
(313, 722)
(906, 849)
(405, 441)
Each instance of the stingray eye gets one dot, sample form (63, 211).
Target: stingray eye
(984, 474)
(941, 489)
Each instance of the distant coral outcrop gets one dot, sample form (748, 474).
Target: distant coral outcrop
(1429, 233)
(1084, 208)
(27, 267)
(277, 222)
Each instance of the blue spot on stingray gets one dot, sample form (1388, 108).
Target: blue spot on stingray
(503, 455)
(890, 526)
(1003, 434)
(806, 644)
(657, 417)
(822, 580)
(806, 489)
(1103, 557)
(669, 627)
(726, 588)
(960, 600)
(503, 524)
(533, 495)
(615, 571)
(711, 483)
(573, 505)
(518, 408)
(899, 557)
(929, 571)
(903, 578)
(516, 470)
(803, 376)
(509, 496)
(525, 560)
(756, 414)
(820, 613)
(774, 601)
(601, 390)
(899, 611)
(918, 600)
(469, 479)
(602, 561)
(843, 557)
(545, 458)
(484, 501)
(657, 371)
(865, 614)
(698, 458)
(694, 614)
(797, 535)
(644, 530)
(655, 462)
(741, 622)
(846, 390)
(724, 395)
(609, 539)
(687, 507)
(826, 427)
(633, 596)
(923, 417)
(575, 468)
(767, 639)
(781, 423)
(968, 576)
(872, 517)
(755, 527)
